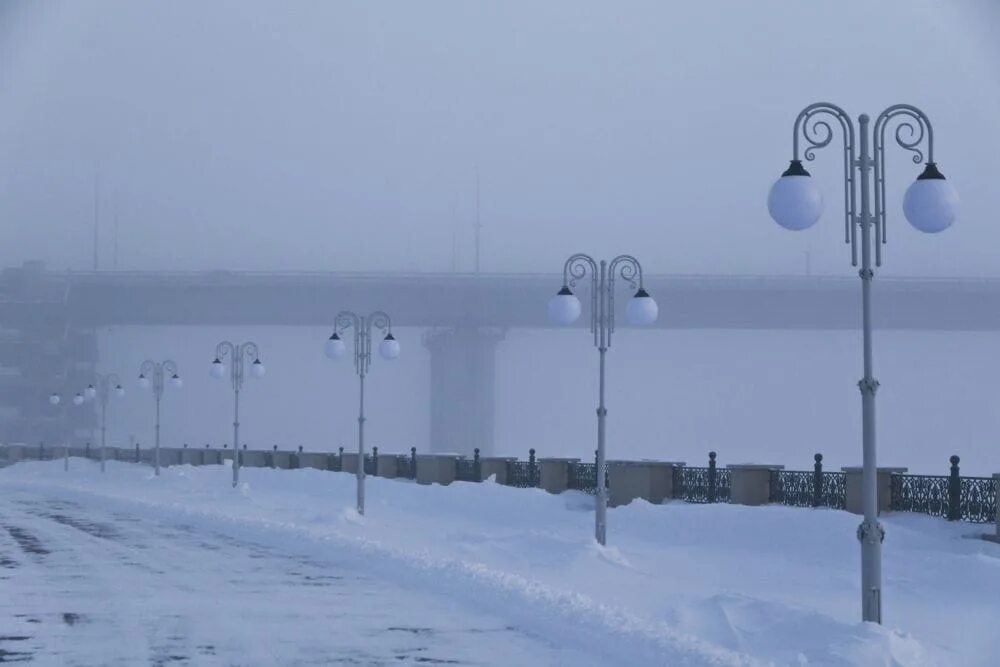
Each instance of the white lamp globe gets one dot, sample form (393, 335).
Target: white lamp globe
(218, 369)
(143, 381)
(795, 201)
(389, 347)
(642, 309)
(931, 203)
(257, 369)
(54, 399)
(335, 347)
(119, 390)
(78, 399)
(176, 381)
(90, 392)
(564, 307)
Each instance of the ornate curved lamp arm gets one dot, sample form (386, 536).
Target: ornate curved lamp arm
(380, 320)
(575, 269)
(225, 348)
(347, 319)
(630, 270)
(812, 125)
(910, 133)
(250, 351)
(169, 366)
(105, 384)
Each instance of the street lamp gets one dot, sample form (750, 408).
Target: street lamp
(239, 354)
(55, 399)
(154, 374)
(564, 309)
(105, 384)
(388, 348)
(930, 205)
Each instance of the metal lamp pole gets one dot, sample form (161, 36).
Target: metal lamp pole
(238, 355)
(55, 399)
(796, 203)
(154, 373)
(102, 392)
(565, 308)
(388, 348)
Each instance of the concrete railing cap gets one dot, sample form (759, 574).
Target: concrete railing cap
(753, 466)
(889, 469)
(497, 458)
(557, 459)
(646, 462)
(439, 455)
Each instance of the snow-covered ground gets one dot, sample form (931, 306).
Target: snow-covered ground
(124, 568)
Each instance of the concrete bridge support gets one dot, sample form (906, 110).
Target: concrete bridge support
(463, 377)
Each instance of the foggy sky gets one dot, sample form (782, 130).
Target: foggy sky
(348, 135)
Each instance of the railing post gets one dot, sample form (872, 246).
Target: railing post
(413, 462)
(375, 461)
(137, 451)
(86, 450)
(954, 491)
(533, 467)
(712, 477)
(817, 480)
(41, 451)
(476, 470)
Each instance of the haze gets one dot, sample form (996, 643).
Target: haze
(350, 136)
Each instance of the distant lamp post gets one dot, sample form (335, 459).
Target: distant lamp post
(930, 205)
(106, 384)
(565, 309)
(388, 349)
(154, 374)
(55, 399)
(238, 355)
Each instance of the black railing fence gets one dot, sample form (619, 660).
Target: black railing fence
(524, 474)
(950, 496)
(809, 488)
(468, 470)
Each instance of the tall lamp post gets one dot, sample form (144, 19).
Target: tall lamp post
(564, 309)
(239, 355)
(930, 204)
(388, 348)
(55, 399)
(105, 385)
(152, 373)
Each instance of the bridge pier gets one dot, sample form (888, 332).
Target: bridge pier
(463, 386)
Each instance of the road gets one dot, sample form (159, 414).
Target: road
(89, 581)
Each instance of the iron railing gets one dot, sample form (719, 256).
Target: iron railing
(702, 485)
(468, 470)
(523, 474)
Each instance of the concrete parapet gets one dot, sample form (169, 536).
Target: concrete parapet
(436, 468)
(494, 465)
(349, 463)
(852, 488)
(170, 456)
(554, 473)
(194, 457)
(282, 459)
(387, 465)
(652, 481)
(252, 458)
(317, 460)
(751, 483)
(13, 453)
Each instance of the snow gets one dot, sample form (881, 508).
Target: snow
(480, 573)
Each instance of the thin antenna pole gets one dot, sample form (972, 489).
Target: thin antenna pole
(479, 224)
(97, 214)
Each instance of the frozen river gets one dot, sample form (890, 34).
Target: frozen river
(98, 584)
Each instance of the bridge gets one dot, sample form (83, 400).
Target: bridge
(47, 323)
